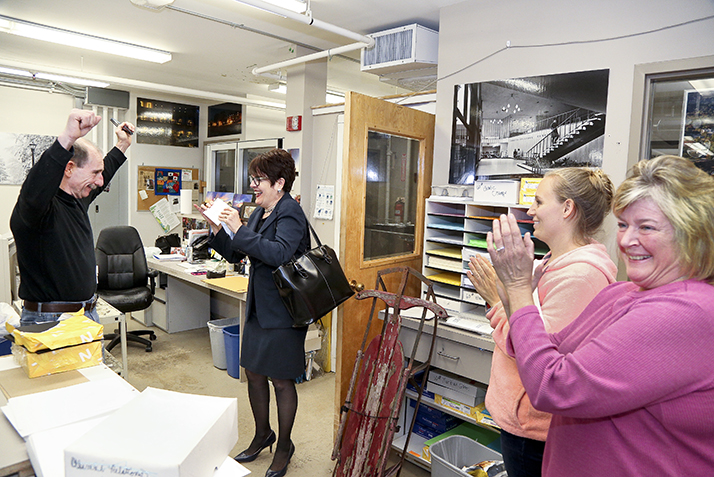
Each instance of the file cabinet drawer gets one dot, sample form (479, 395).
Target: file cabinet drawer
(459, 352)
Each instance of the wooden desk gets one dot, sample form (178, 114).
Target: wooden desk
(188, 299)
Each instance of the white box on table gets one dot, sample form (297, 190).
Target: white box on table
(455, 382)
(159, 433)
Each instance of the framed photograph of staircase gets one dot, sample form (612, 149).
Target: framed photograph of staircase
(521, 127)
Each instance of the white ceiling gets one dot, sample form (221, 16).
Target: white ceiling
(208, 55)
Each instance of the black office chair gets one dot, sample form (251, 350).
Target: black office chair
(124, 279)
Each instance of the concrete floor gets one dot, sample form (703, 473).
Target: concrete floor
(183, 362)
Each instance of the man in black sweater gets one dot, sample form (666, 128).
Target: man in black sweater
(55, 244)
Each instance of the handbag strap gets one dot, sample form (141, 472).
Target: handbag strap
(314, 234)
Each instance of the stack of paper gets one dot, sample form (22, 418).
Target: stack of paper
(169, 257)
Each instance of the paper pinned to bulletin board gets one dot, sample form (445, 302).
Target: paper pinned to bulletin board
(147, 194)
(163, 214)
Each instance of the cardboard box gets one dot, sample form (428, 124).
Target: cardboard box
(313, 339)
(465, 409)
(159, 433)
(47, 348)
(455, 382)
(56, 361)
(499, 191)
(449, 393)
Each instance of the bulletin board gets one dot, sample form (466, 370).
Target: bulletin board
(146, 195)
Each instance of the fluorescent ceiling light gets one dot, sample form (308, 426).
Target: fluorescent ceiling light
(70, 80)
(13, 71)
(333, 97)
(80, 40)
(297, 6)
(52, 77)
(704, 86)
(279, 88)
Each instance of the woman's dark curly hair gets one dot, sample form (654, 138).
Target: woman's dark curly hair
(274, 164)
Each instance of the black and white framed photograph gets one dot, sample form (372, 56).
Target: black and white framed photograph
(519, 127)
(18, 153)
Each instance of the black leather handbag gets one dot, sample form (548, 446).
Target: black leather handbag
(312, 285)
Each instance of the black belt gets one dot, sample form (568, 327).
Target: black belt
(50, 307)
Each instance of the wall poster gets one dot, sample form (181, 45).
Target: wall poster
(168, 182)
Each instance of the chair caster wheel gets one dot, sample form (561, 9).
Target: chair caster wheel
(149, 349)
(152, 336)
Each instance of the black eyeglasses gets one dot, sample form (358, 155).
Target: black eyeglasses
(256, 180)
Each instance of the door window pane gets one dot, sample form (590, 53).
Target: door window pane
(680, 119)
(225, 167)
(391, 199)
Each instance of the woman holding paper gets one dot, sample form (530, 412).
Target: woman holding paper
(569, 208)
(270, 347)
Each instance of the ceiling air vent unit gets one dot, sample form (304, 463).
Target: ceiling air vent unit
(399, 49)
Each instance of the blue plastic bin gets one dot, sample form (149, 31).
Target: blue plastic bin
(5, 345)
(231, 335)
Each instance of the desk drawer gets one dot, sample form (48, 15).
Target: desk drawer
(459, 358)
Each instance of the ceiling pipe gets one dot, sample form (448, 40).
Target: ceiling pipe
(361, 40)
(263, 71)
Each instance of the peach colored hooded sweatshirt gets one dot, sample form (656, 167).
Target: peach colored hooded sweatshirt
(569, 283)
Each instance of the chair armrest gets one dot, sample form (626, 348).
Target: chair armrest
(152, 277)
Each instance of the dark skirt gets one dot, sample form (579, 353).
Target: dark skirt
(278, 353)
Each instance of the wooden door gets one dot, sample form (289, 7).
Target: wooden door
(388, 151)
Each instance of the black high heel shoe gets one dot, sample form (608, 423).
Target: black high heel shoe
(284, 470)
(268, 442)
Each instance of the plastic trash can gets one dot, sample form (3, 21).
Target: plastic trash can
(231, 335)
(218, 343)
(449, 455)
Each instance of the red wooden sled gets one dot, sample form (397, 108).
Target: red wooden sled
(368, 419)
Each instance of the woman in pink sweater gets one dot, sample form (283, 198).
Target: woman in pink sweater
(629, 381)
(569, 208)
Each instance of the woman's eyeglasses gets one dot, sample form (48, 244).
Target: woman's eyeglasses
(256, 180)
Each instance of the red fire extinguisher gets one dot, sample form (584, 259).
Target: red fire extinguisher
(399, 210)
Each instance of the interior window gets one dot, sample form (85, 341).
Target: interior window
(680, 117)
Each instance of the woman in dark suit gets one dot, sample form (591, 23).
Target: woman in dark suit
(271, 348)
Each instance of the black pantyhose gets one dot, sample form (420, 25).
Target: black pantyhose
(287, 402)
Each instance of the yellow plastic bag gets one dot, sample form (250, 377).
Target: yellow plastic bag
(72, 343)
(71, 331)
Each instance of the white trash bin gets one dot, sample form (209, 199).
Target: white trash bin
(218, 345)
(449, 455)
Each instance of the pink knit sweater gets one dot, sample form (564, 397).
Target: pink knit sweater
(567, 286)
